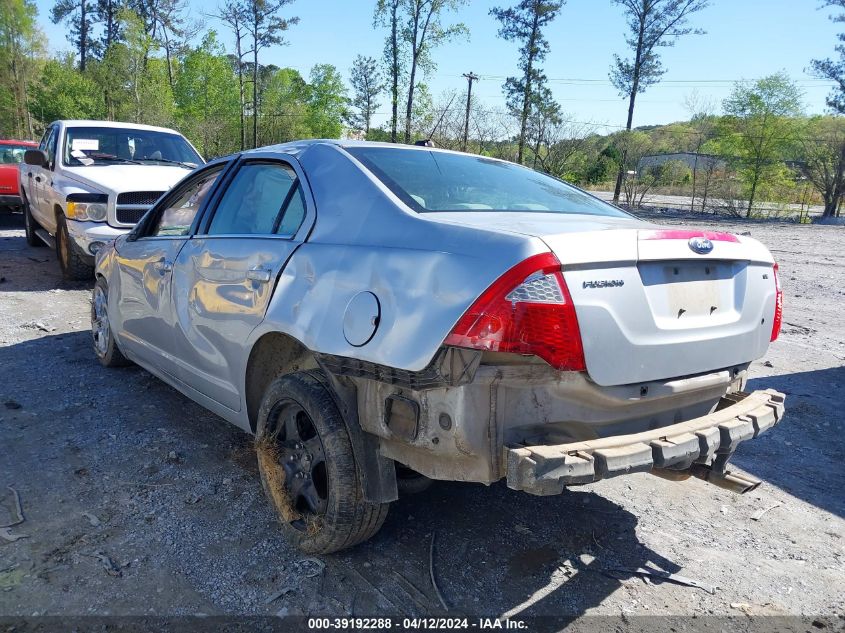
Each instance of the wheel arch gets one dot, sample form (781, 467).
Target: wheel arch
(274, 354)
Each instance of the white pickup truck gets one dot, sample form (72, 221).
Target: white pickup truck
(91, 181)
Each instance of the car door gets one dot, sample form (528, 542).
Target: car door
(37, 181)
(225, 275)
(144, 317)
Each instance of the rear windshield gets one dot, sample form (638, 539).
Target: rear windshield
(13, 154)
(442, 181)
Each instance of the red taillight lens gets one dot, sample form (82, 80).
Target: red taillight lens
(778, 320)
(527, 310)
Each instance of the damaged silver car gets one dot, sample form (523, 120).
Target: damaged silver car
(380, 313)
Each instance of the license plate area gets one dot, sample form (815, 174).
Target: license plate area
(693, 294)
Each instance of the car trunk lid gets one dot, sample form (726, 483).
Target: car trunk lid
(650, 307)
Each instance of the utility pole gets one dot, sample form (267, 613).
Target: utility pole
(470, 76)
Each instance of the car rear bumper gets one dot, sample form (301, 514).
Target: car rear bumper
(547, 469)
(10, 201)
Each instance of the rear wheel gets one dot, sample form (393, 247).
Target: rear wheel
(308, 470)
(30, 226)
(105, 346)
(75, 266)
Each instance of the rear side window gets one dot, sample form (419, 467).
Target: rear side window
(444, 181)
(262, 199)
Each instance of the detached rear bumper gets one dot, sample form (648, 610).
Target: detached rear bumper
(546, 470)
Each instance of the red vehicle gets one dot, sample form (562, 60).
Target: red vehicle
(11, 156)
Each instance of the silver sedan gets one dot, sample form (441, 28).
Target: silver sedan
(383, 315)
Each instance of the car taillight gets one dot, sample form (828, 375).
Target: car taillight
(778, 320)
(528, 310)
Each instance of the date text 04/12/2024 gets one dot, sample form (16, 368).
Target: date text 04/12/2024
(415, 623)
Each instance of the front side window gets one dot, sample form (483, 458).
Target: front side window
(50, 147)
(106, 145)
(257, 200)
(179, 213)
(444, 181)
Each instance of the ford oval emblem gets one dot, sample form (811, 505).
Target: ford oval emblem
(700, 245)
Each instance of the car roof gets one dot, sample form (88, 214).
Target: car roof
(11, 141)
(114, 124)
(298, 147)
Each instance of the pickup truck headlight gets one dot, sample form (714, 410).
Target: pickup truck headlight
(89, 207)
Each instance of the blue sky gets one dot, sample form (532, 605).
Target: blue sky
(745, 39)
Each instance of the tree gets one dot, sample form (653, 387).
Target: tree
(234, 15)
(759, 126)
(823, 155)
(652, 24)
(81, 17)
(21, 43)
(367, 84)
(327, 101)
(207, 98)
(166, 24)
(134, 85)
(834, 70)
(544, 117)
(64, 92)
(106, 14)
(266, 28)
(387, 14)
(524, 23)
(286, 107)
(423, 32)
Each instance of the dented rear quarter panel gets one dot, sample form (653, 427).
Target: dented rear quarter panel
(425, 273)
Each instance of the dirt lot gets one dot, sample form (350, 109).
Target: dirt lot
(139, 502)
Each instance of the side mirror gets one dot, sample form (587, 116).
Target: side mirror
(36, 157)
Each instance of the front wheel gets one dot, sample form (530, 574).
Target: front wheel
(105, 346)
(308, 470)
(75, 266)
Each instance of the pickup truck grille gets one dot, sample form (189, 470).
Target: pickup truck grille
(130, 215)
(139, 197)
(132, 205)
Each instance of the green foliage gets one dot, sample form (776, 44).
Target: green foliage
(21, 43)
(367, 84)
(206, 96)
(63, 92)
(652, 24)
(327, 102)
(834, 69)
(524, 23)
(759, 127)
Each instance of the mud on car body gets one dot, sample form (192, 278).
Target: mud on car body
(372, 310)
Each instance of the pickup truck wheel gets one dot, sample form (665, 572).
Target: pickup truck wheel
(308, 469)
(105, 345)
(74, 265)
(30, 226)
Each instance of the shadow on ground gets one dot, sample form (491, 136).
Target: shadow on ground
(803, 454)
(177, 492)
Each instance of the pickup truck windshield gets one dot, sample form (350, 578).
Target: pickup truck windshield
(442, 181)
(107, 146)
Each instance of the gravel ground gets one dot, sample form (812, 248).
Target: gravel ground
(138, 501)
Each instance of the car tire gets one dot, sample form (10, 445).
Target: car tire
(102, 337)
(75, 266)
(410, 482)
(308, 469)
(30, 226)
